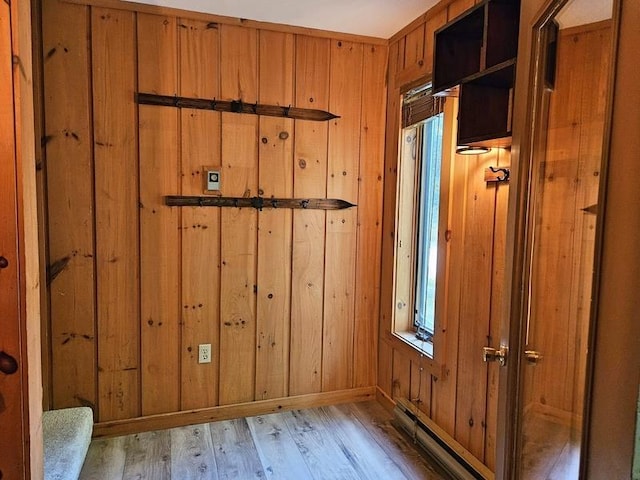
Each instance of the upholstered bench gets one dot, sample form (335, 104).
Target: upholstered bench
(67, 435)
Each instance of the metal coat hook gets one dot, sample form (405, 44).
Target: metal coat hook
(506, 172)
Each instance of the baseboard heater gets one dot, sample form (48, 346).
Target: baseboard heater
(451, 456)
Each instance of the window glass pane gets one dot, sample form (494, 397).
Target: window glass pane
(427, 238)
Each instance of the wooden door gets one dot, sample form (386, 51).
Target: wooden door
(556, 217)
(20, 384)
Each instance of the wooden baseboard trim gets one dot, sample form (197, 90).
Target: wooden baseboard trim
(385, 400)
(226, 412)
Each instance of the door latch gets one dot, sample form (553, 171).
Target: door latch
(532, 356)
(490, 354)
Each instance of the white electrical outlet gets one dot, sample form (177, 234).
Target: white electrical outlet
(204, 353)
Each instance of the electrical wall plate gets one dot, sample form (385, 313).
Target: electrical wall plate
(212, 179)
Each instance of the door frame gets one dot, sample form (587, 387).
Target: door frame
(28, 448)
(535, 13)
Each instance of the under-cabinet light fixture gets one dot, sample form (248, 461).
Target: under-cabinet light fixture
(471, 150)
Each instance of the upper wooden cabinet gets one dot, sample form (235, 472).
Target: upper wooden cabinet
(477, 52)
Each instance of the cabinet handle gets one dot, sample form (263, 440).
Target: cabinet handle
(8, 364)
(4, 263)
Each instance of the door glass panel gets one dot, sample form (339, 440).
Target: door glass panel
(575, 48)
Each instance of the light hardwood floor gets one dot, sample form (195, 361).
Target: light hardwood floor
(352, 441)
(551, 449)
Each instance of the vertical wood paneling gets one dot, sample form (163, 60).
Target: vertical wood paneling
(310, 180)
(276, 54)
(159, 257)
(370, 181)
(117, 227)
(430, 27)
(475, 305)
(14, 459)
(278, 297)
(595, 75)
(553, 260)
(414, 47)
(445, 341)
(385, 351)
(401, 383)
(420, 385)
(200, 232)
(70, 199)
(392, 135)
(239, 226)
(342, 182)
(497, 296)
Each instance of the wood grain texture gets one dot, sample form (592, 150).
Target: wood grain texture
(200, 227)
(310, 179)
(475, 306)
(276, 67)
(69, 148)
(414, 50)
(341, 230)
(235, 451)
(401, 383)
(116, 215)
(159, 259)
(226, 266)
(392, 135)
(192, 454)
(276, 448)
(234, 21)
(148, 456)
(239, 227)
(446, 339)
(497, 300)
(431, 25)
(370, 192)
(349, 441)
(14, 457)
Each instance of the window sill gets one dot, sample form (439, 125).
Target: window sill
(423, 347)
(406, 343)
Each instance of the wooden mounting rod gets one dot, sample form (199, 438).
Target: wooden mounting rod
(257, 202)
(234, 106)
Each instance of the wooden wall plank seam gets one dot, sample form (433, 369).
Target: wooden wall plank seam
(69, 148)
(200, 228)
(117, 229)
(342, 182)
(369, 222)
(159, 259)
(310, 179)
(152, 261)
(239, 71)
(276, 86)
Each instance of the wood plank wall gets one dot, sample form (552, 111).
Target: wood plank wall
(569, 184)
(287, 300)
(462, 397)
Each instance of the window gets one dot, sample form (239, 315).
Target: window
(430, 156)
(418, 217)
